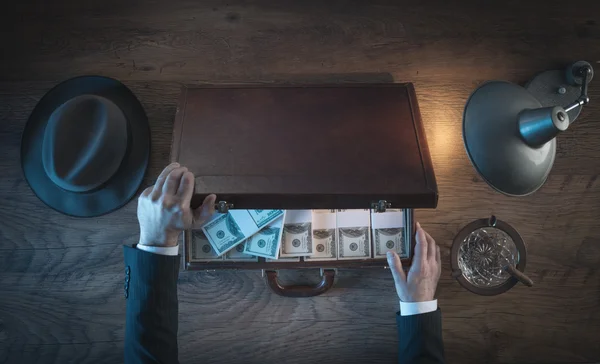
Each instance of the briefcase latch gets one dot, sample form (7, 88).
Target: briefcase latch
(223, 207)
(381, 205)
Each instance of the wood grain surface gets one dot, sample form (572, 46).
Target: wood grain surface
(61, 278)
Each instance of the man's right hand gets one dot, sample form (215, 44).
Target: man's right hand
(424, 274)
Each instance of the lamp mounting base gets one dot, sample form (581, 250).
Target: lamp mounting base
(567, 88)
(552, 88)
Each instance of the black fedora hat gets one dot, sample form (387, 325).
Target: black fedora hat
(85, 148)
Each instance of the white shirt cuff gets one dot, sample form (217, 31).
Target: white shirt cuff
(417, 308)
(162, 250)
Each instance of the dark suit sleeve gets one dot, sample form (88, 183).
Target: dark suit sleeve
(420, 338)
(152, 307)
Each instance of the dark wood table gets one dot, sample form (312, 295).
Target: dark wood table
(61, 278)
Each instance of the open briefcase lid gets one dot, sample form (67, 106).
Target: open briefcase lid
(306, 147)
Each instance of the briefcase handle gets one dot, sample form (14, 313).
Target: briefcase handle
(328, 276)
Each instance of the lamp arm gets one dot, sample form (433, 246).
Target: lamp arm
(583, 99)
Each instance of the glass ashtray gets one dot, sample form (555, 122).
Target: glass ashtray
(486, 255)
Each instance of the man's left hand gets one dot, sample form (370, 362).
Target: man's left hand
(164, 209)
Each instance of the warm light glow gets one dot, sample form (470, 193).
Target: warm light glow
(444, 136)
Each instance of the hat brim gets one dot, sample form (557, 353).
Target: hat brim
(123, 185)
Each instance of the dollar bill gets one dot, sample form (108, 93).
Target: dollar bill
(354, 243)
(263, 217)
(225, 231)
(297, 239)
(389, 233)
(267, 241)
(201, 250)
(354, 234)
(324, 242)
(389, 239)
(237, 254)
(297, 233)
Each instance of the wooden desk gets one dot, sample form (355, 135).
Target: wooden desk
(61, 278)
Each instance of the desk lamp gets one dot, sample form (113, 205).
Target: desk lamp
(510, 131)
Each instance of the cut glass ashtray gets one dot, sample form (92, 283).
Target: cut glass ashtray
(484, 255)
(488, 257)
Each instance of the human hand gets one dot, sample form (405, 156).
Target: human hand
(164, 209)
(424, 273)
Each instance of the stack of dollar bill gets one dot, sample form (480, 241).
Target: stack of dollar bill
(288, 235)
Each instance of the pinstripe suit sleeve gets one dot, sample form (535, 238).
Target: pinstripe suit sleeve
(152, 307)
(420, 338)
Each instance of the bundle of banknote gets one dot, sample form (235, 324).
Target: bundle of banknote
(279, 235)
(388, 234)
(297, 234)
(226, 231)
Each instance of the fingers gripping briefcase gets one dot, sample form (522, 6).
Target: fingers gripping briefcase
(325, 149)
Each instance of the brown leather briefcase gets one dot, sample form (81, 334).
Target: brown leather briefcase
(357, 146)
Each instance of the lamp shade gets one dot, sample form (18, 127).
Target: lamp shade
(496, 146)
